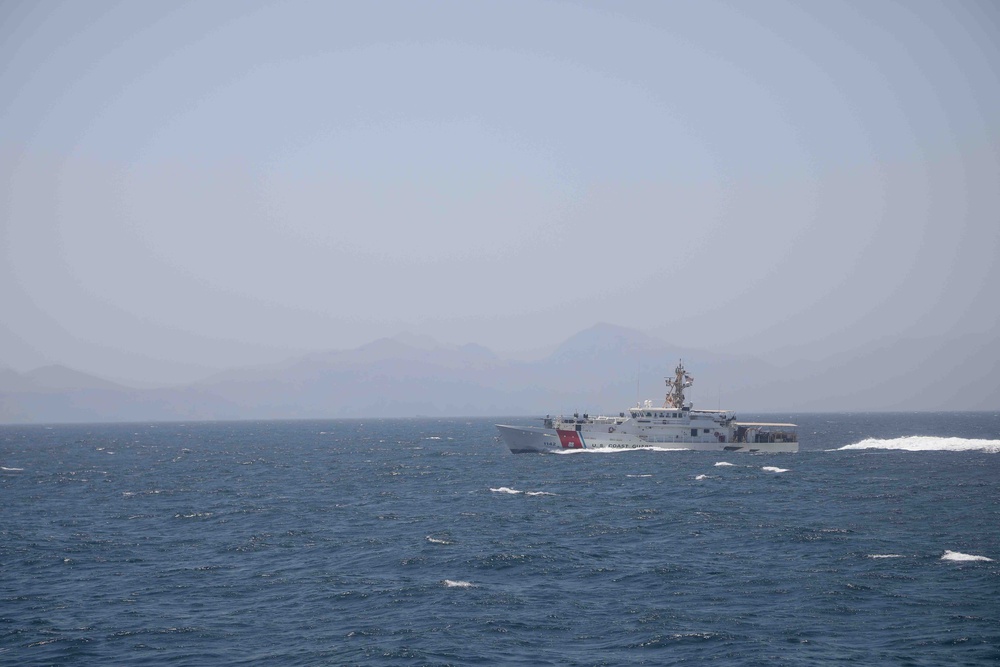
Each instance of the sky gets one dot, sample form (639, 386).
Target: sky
(192, 186)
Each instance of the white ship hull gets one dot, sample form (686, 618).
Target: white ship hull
(525, 439)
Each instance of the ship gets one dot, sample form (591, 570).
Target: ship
(676, 425)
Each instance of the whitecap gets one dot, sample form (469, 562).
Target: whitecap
(458, 584)
(927, 443)
(638, 475)
(774, 469)
(884, 556)
(437, 540)
(959, 556)
(701, 477)
(514, 492)
(724, 463)
(6, 469)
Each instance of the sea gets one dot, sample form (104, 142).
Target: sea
(425, 542)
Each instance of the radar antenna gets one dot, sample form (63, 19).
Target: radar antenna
(676, 386)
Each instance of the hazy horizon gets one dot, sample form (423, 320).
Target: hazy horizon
(189, 187)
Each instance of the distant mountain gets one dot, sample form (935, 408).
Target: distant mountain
(604, 368)
(11, 381)
(62, 378)
(611, 339)
(933, 373)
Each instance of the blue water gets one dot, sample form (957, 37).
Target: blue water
(423, 542)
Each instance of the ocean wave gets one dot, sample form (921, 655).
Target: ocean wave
(724, 463)
(774, 469)
(514, 492)
(959, 556)
(701, 477)
(449, 583)
(927, 443)
(438, 540)
(884, 556)
(6, 469)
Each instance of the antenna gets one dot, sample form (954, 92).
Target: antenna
(638, 395)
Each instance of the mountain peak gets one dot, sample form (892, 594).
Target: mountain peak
(603, 338)
(419, 341)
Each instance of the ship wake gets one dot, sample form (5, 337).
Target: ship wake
(927, 443)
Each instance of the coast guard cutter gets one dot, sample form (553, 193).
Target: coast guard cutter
(676, 425)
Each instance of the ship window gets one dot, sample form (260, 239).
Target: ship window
(704, 430)
(694, 432)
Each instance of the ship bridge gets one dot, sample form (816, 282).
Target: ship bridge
(658, 413)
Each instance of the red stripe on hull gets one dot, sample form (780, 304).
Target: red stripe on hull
(570, 439)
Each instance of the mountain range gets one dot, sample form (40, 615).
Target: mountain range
(605, 368)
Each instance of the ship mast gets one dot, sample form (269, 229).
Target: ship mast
(676, 386)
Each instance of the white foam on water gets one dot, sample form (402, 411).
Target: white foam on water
(927, 443)
(884, 556)
(638, 475)
(437, 540)
(514, 492)
(458, 584)
(6, 469)
(774, 469)
(959, 556)
(724, 463)
(701, 477)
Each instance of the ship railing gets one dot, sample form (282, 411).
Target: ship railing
(777, 436)
(765, 433)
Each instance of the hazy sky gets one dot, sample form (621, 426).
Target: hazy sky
(186, 186)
